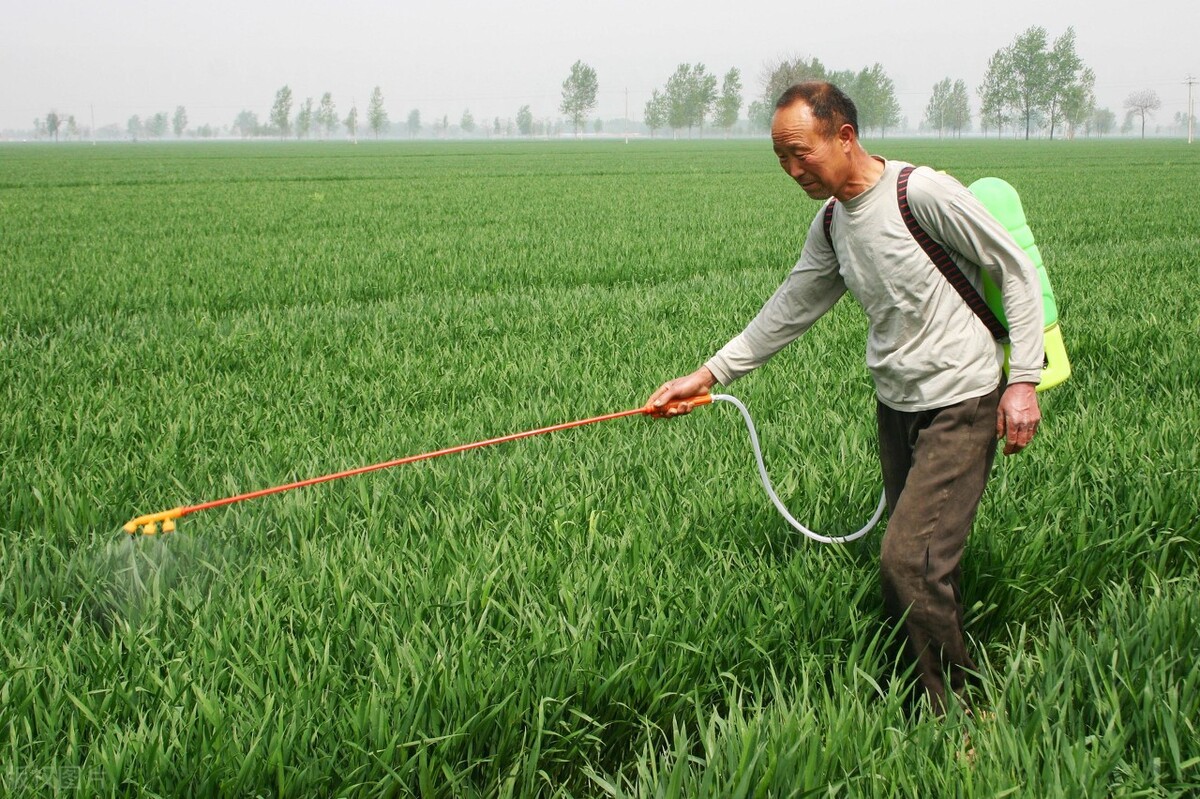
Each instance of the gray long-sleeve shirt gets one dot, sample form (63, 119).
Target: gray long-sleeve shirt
(925, 348)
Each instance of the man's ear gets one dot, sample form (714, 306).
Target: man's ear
(846, 135)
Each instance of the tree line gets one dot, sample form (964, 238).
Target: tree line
(690, 97)
(1034, 84)
(871, 88)
(1031, 85)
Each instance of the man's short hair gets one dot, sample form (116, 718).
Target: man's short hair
(829, 105)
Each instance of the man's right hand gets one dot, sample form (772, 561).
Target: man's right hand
(698, 382)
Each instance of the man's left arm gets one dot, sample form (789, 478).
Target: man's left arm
(966, 227)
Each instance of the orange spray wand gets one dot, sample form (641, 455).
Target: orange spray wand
(149, 523)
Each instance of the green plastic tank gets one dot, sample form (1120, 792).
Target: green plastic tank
(1004, 203)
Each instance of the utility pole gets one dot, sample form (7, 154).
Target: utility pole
(627, 115)
(1191, 109)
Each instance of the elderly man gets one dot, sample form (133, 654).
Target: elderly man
(942, 399)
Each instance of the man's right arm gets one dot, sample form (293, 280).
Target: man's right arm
(803, 297)
(810, 290)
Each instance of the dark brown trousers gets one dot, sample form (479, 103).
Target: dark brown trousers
(935, 467)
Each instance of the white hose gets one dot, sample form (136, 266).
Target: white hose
(766, 481)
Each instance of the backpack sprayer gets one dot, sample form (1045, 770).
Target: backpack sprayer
(151, 522)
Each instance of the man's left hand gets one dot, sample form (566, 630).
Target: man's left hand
(1017, 417)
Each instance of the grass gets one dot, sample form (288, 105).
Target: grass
(614, 611)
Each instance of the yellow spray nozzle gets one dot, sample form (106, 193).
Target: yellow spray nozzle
(149, 522)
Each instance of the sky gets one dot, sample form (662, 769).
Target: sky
(110, 60)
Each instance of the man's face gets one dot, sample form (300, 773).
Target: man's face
(811, 158)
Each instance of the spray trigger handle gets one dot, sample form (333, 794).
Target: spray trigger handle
(677, 407)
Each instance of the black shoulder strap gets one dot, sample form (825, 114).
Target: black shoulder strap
(941, 259)
(829, 220)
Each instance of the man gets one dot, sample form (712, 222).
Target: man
(942, 401)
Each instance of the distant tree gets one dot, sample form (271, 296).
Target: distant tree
(1141, 102)
(579, 94)
(998, 92)
(281, 111)
(53, 122)
(525, 121)
(1079, 102)
(445, 124)
(729, 104)
(327, 115)
(874, 93)
(467, 123)
(960, 108)
(691, 93)
(949, 108)
(351, 123)
(779, 75)
(1063, 68)
(246, 124)
(678, 86)
(937, 113)
(703, 97)
(1180, 121)
(1030, 65)
(598, 126)
(157, 125)
(179, 121)
(377, 118)
(851, 83)
(496, 126)
(304, 119)
(72, 127)
(414, 123)
(1103, 121)
(655, 114)
(759, 114)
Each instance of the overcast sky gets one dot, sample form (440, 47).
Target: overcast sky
(118, 58)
